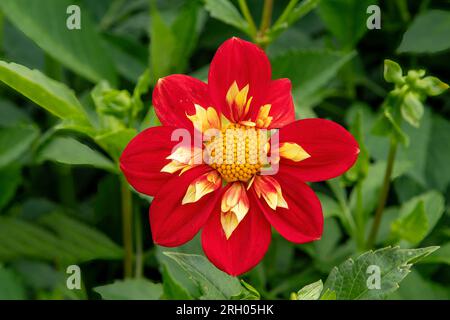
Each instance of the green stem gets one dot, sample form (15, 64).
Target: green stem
(383, 195)
(66, 186)
(404, 11)
(359, 217)
(247, 15)
(139, 261)
(127, 226)
(2, 31)
(286, 12)
(345, 215)
(266, 20)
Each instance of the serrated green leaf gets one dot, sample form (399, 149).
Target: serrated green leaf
(130, 289)
(350, 279)
(328, 295)
(45, 92)
(80, 50)
(70, 151)
(428, 33)
(213, 283)
(311, 291)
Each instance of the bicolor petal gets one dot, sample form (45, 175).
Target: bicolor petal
(145, 156)
(302, 220)
(175, 96)
(239, 70)
(174, 223)
(246, 246)
(331, 148)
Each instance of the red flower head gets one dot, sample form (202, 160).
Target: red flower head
(223, 182)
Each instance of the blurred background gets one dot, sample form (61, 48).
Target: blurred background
(63, 201)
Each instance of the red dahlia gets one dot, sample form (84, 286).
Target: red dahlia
(224, 185)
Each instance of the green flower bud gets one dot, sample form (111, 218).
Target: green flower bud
(432, 86)
(393, 72)
(412, 109)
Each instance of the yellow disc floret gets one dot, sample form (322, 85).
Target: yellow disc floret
(238, 152)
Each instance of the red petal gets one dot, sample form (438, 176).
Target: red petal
(333, 149)
(303, 220)
(145, 156)
(246, 246)
(176, 95)
(279, 96)
(243, 62)
(171, 222)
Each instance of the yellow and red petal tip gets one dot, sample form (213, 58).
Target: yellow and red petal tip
(235, 203)
(293, 151)
(200, 187)
(270, 190)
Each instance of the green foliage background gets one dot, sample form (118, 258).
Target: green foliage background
(70, 100)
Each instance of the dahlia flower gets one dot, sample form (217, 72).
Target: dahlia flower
(243, 164)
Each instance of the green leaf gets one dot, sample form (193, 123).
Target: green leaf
(393, 72)
(361, 167)
(309, 70)
(311, 291)
(142, 87)
(440, 256)
(418, 216)
(12, 287)
(436, 170)
(225, 11)
(328, 295)
(80, 50)
(345, 19)
(130, 289)
(417, 287)
(10, 179)
(45, 92)
(213, 283)
(172, 45)
(70, 151)
(412, 227)
(350, 279)
(15, 141)
(412, 109)
(428, 33)
(11, 116)
(55, 237)
(116, 141)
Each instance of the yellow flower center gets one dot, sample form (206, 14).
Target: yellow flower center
(238, 152)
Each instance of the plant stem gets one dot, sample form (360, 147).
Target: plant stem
(286, 12)
(139, 265)
(247, 15)
(383, 195)
(404, 11)
(266, 16)
(2, 31)
(359, 217)
(127, 226)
